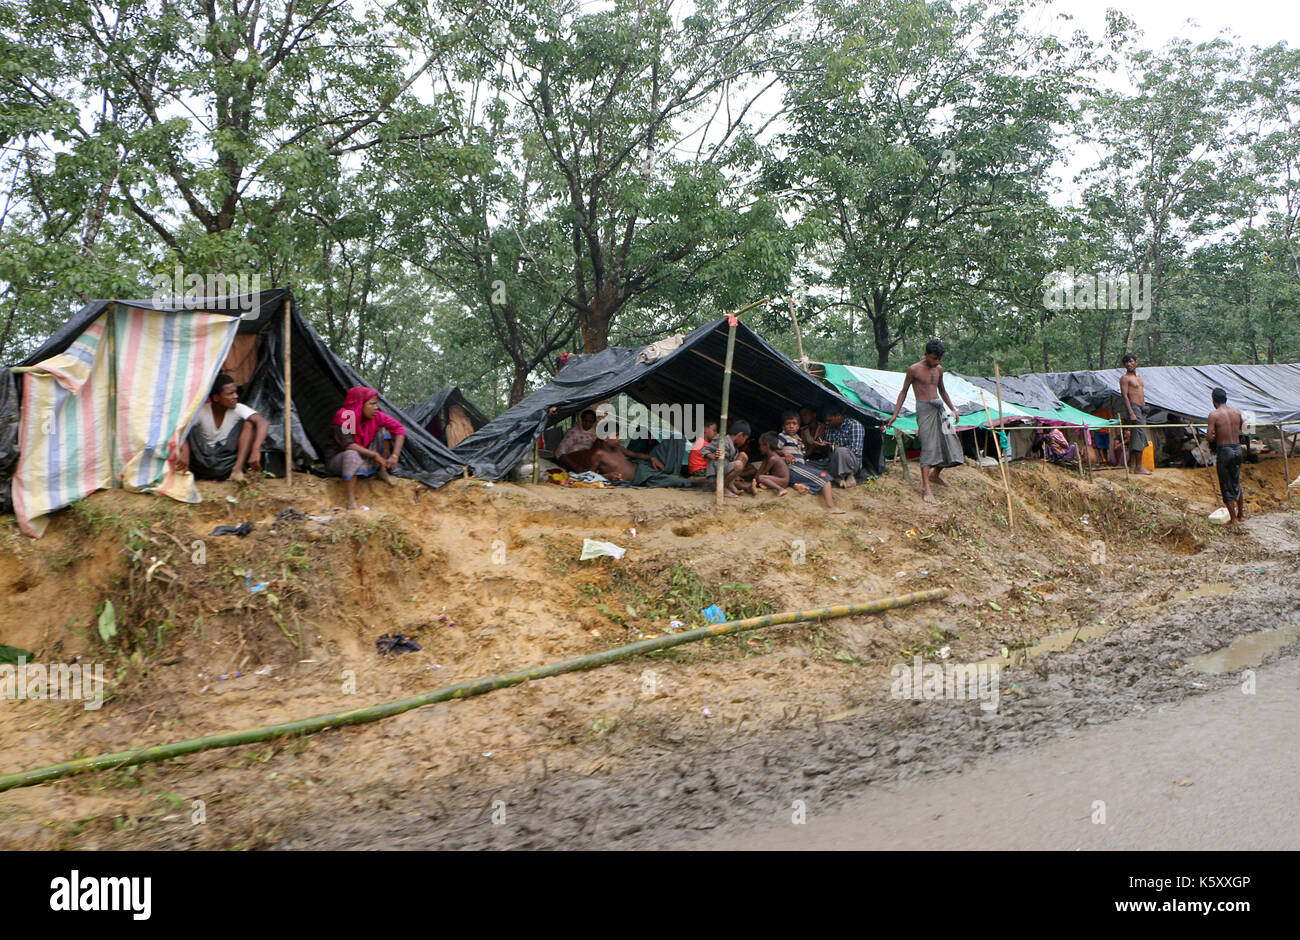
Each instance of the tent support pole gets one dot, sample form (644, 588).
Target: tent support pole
(537, 455)
(732, 322)
(288, 394)
(1006, 484)
(798, 334)
(111, 330)
(902, 454)
(1286, 462)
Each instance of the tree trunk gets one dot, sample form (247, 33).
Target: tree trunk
(519, 383)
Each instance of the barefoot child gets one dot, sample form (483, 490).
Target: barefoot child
(802, 475)
(773, 472)
(736, 459)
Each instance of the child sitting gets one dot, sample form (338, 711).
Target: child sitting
(773, 472)
(735, 459)
(805, 478)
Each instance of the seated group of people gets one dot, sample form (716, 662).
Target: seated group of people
(808, 454)
(227, 436)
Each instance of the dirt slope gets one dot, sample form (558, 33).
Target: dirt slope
(487, 580)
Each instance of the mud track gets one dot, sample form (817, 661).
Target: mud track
(730, 780)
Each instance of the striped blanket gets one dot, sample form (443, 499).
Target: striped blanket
(70, 441)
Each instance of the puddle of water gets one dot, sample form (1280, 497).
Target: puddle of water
(1248, 650)
(1051, 644)
(1205, 590)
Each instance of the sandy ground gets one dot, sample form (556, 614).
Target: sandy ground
(643, 752)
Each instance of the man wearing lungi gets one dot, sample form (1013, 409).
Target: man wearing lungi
(1132, 411)
(1224, 430)
(939, 445)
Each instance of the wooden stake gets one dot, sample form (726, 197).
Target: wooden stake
(288, 392)
(798, 334)
(1006, 485)
(902, 454)
(1286, 463)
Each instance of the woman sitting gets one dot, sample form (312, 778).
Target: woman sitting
(363, 441)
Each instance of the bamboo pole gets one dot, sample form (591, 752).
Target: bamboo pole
(1286, 463)
(537, 455)
(111, 330)
(733, 321)
(1006, 484)
(798, 334)
(463, 690)
(288, 392)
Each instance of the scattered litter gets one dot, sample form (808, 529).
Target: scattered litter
(594, 632)
(594, 549)
(675, 625)
(396, 643)
(232, 500)
(323, 520)
(487, 753)
(1084, 519)
(289, 513)
(231, 675)
(705, 711)
(713, 614)
(254, 588)
(433, 666)
(1220, 516)
(240, 530)
(944, 651)
(1182, 783)
(911, 533)
(264, 671)
(632, 531)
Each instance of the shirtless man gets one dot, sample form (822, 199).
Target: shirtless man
(659, 468)
(939, 446)
(1132, 411)
(1225, 431)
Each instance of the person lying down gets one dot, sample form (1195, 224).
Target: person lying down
(659, 468)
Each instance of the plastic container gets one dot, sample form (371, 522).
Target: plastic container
(1149, 456)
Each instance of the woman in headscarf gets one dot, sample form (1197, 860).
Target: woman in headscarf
(363, 441)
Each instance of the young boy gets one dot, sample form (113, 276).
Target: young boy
(773, 472)
(736, 459)
(802, 475)
(697, 463)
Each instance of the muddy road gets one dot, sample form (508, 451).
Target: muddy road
(1173, 719)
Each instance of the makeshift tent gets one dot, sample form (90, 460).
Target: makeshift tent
(436, 414)
(685, 371)
(877, 390)
(104, 406)
(1271, 392)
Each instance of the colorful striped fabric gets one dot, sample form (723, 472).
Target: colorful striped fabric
(70, 441)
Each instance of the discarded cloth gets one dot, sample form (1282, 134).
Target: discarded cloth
(396, 643)
(240, 530)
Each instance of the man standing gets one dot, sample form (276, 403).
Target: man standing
(843, 441)
(227, 437)
(1225, 430)
(939, 445)
(1132, 410)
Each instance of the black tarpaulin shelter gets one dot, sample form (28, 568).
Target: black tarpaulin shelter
(1271, 392)
(764, 383)
(255, 360)
(431, 413)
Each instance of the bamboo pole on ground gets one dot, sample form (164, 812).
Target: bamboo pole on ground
(288, 392)
(463, 690)
(1006, 484)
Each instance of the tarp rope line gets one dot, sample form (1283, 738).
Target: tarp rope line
(370, 713)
